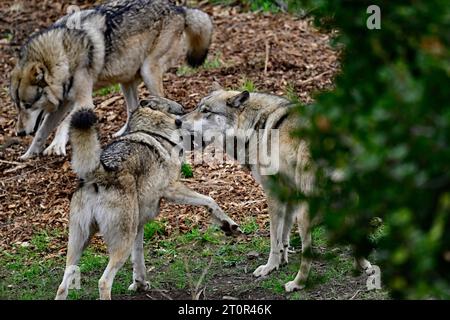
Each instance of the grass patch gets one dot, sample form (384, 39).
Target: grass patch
(247, 85)
(154, 228)
(249, 226)
(274, 6)
(107, 91)
(174, 262)
(209, 64)
(187, 171)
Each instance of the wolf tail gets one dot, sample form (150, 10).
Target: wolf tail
(85, 144)
(199, 29)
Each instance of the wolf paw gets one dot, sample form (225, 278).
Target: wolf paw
(28, 155)
(265, 269)
(292, 286)
(57, 148)
(139, 286)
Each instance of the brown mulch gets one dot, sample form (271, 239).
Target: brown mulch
(35, 195)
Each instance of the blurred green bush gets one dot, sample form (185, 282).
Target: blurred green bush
(386, 127)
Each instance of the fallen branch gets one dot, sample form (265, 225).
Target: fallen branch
(266, 64)
(110, 101)
(354, 296)
(12, 162)
(314, 78)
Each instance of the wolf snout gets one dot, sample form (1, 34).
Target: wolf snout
(178, 123)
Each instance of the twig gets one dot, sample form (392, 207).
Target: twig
(354, 296)
(202, 277)
(110, 101)
(266, 64)
(31, 171)
(314, 78)
(164, 294)
(19, 167)
(12, 162)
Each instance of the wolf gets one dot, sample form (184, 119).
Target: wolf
(250, 119)
(122, 41)
(121, 188)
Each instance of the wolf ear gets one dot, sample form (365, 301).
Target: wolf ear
(238, 100)
(37, 75)
(215, 87)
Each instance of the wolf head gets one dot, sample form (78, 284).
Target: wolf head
(218, 112)
(157, 115)
(162, 104)
(35, 91)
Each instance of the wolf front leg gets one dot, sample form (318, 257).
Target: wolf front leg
(131, 94)
(277, 212)
(180, 194)
(50, 122)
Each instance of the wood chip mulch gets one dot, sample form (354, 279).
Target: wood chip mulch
(279, 53)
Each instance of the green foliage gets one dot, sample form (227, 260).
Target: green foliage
(262, 5)
(386, 128)
(247, 85)
(187, 171)
(154, 228)
(209, 64)
(107, 91)
(250, 226)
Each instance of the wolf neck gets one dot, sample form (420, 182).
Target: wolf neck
(262, 114)
(157, 135)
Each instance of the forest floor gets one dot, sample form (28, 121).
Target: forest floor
(275, 53)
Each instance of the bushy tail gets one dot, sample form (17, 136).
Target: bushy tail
(199, 30)
(85, 145)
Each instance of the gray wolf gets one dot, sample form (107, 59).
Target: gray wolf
(251, 119)
(121, 189)
(122, 41)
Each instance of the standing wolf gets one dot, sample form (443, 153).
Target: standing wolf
(122, 41)
(250, 120)
(121, 189)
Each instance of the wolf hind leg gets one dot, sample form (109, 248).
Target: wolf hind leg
(164, 53)
(137, 257)
(117, 219)
(289, 219)
(304, 229)
(78, 240)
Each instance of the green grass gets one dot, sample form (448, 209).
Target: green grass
(247, 85)
(292, 6)
(107, 91)
(174, 262)
(187, 171)
(154, 228)
(209, 64)
(291, 93)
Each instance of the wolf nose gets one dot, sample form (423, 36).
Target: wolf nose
(178, 123)
(21, 133)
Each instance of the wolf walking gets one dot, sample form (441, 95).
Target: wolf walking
(122, 41)
(250, 119)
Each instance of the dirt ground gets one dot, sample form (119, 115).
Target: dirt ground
(280, 54)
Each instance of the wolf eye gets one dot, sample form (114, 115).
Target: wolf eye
(27, 105)
(204, 110)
